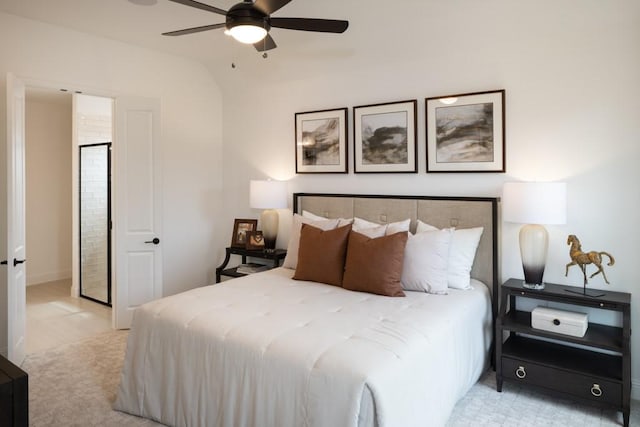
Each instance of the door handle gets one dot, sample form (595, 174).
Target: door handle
(18, 261)
(3, 262)
(155, 241)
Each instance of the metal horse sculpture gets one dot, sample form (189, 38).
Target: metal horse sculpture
(583, 258)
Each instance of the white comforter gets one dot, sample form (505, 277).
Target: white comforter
(265, 350)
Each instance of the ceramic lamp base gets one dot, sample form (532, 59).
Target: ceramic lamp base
(269, 220)
(534, 241)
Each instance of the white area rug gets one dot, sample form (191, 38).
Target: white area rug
(76, 384)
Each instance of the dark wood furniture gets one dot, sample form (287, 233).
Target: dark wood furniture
(14, 395)
(275, 257)
(584, 373)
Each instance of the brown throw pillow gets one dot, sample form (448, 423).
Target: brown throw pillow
(321, 254)
(375, 265)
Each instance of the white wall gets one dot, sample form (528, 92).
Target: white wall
(48, 191)
(191, 126)
(571, 73)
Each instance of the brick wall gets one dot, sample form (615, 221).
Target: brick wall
(94, 205)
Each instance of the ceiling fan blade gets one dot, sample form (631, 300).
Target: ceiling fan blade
(201, 6)
(193, 30)
(265, 44)
(309, 24)
(270, 6)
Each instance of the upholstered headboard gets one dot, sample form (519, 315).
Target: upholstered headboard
(459, 212)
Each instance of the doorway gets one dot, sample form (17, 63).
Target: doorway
(53, 315)
(137, 253)
(92, 221)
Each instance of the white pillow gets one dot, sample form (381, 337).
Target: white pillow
(398, 227)
(369, 229)
(373, 232)
(360, 225)
(426, 258)
(313, 216)
(462, 252)
(291, 260)
(341, 221)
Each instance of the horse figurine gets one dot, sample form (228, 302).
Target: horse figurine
(583, 258)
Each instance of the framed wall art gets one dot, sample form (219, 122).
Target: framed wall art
(241, 228)
(385, 137)
(465, 133)
(321, 141)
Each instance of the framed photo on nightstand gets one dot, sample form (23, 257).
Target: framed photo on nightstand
(255, 240)
(240, 229)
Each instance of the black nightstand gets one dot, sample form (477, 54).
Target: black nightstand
(275, 256)
(14, 395)
(584, 373)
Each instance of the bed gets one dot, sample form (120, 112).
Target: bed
(266, 350)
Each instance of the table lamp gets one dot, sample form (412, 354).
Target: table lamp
(268, 195)
(534, 204)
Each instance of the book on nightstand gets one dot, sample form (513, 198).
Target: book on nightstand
(251, 268)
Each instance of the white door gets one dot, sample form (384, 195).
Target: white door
(137, 206)
(16, 275)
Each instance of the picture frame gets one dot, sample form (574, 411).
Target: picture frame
(466, 132)
(321, 141)
(240, 229)
(254, 240)
(385, 138)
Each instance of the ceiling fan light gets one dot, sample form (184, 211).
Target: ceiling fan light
(248, 34)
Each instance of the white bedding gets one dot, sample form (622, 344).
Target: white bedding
(265, 350)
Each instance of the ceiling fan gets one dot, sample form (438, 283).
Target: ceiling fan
(250, 22)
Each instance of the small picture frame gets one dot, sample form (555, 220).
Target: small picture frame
(321, 141)
(385, 138)
(255, 240)
(466, 132)
(240, 229)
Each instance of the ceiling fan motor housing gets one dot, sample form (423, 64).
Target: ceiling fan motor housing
(246, 14)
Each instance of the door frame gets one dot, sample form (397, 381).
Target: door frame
(73, 88)
(109, 300)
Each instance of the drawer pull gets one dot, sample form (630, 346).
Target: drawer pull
(521, 373)
(596, 390)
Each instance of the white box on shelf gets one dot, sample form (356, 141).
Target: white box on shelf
(559, 321)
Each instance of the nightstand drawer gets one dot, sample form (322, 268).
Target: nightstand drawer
(579, 385)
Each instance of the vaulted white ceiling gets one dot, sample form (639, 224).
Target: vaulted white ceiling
(142, 25)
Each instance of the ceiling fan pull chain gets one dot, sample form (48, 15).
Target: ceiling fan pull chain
(264, 40)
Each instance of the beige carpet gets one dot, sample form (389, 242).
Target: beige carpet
(76, 384)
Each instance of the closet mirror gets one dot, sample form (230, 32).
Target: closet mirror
(95, 220)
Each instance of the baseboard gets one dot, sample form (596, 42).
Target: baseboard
(35, 279)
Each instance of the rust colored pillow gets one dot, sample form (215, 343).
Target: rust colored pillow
(321, 254)
(375, 265)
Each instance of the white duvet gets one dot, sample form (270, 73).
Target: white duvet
(265, 350)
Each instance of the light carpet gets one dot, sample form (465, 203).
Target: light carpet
(76, 384)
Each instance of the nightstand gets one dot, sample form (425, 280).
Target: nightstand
(599, 371)
(275, 257)
(14, 393)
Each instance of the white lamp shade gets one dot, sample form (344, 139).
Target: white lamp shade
(535, 202)
(268, 194)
